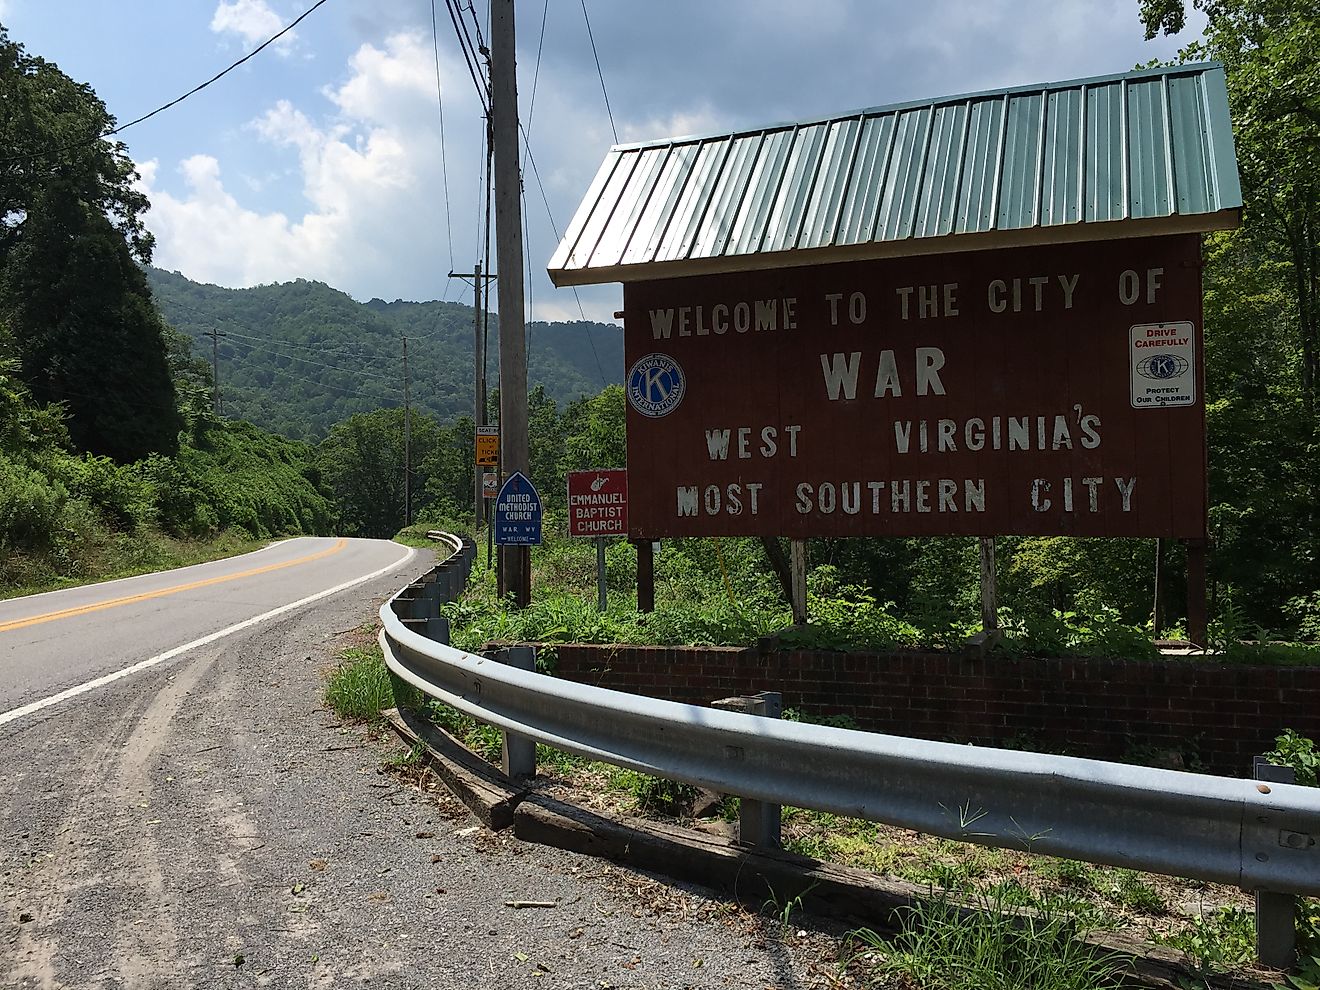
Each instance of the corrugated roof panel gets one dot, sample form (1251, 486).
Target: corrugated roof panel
(1193, 169)
(822, 210)
(1219, 140)
(612, 239)
(1061, 164)
(938, 207)
(762, 185)
(786, 218)
(717, 224)
(898, 206)
(1106, 154)
(660, 208)
(1149, 175)
(857, 214)
(692, 204)
(599, 217)
(1018, 187)
(980, 171)
(1151, 149)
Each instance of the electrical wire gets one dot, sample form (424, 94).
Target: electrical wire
(536, 75)
(444, 166)
(592, 39)
(318, 364)
(173, 103)
(555, 228)
(469, 55)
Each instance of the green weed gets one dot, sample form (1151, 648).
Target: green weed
(1219, 941)
(1296, 751)
(484, 740)
(360, 687)
(943, 947)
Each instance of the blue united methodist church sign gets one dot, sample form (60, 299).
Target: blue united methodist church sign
(518, 513)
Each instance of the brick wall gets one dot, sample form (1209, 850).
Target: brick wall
(1219, 715)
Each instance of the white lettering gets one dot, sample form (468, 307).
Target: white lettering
(841, 374)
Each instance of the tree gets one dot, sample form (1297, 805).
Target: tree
(1268, 48)
(1262, 307)
(361, 464)
(71, 237)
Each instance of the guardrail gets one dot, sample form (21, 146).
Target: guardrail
(1256, 835)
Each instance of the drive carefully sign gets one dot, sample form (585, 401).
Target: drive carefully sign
(598, 503)
(518, 512)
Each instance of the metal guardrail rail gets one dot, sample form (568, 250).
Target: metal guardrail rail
(1258, 836)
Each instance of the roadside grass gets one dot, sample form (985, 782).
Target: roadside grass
(1067, 895)
(359, 688)
(103, 555)
(945, 947)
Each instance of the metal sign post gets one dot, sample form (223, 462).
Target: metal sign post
(598, 507)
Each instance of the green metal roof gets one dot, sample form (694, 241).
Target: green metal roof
(1112, 156)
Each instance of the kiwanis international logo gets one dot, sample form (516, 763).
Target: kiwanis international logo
(656, 385)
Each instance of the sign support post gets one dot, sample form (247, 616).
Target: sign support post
(645, 576)
(1196, 604)
(797, 553)
(601, 603)
(989, 586)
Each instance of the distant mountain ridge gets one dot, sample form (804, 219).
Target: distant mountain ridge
(298, 357)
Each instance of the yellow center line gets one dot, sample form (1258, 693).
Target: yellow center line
(145, 596)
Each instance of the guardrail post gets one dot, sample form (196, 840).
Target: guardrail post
(519, 752)
(437, 629)
(1276, 914)
(758, 821)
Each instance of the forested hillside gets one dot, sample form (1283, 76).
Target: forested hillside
(299, 357)
(111, 459)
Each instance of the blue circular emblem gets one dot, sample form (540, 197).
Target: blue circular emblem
(1162, 367)
(656, 385)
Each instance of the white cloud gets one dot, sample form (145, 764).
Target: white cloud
(252, 20)
(366, 210)
(369, 173)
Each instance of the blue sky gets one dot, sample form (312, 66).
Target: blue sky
(321, 158)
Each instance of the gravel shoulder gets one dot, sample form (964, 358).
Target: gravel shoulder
(207, 823)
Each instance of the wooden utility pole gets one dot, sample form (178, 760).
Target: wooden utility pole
(509, 252)
(215, 336)
(478, 395)
(407, 442)
(479, 281)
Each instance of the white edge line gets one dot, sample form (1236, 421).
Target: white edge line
(13, 715)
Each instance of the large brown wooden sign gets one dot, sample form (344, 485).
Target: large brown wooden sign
(1040, 390)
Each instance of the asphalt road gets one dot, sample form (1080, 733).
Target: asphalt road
(203, 821)
(61, 640)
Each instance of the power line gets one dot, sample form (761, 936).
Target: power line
(444, 167)
(536, 75)
(469, 53)
(598, 72)
(173, 103)
(555, 228)
(337, 388)
(318, 364)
